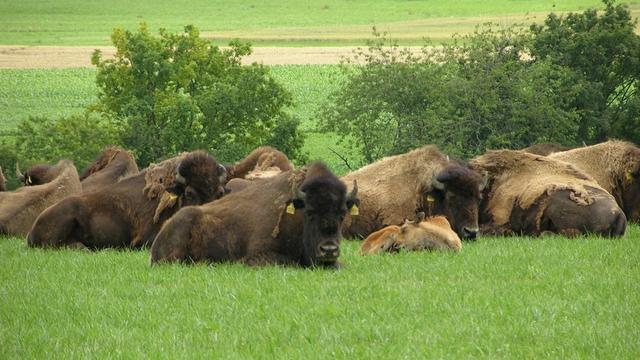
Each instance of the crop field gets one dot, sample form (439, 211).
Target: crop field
(288, 22)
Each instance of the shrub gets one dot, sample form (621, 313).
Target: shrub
(178, 92)
(77, 137)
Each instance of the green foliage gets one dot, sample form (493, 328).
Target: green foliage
(78, 137)
(177, 92)
(603, 48)
(513, 297)
(473, 95)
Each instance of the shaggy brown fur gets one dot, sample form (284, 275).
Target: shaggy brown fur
(122, 215)
(262, 162)
(292, 218)
(37, 174)
(109, 167)
(396, 187)
(434, 233)
(545, 149)
(3, 181)
(615, 165)
(532, 194)
(19, 209)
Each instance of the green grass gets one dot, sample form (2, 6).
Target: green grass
(498, 298)
(283, 22)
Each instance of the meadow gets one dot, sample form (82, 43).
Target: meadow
(268, 23)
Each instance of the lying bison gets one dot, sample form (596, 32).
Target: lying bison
(424, 179)
(130, 212)
(615, 165)
(262, 162)
(37, 174)
(532, 194)
(434, 233)
(545, 149)
(292, 218)
(112, 164)
(19, 209)
(3, 181)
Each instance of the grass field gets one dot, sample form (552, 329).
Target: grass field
(498, 298)
(284, 22)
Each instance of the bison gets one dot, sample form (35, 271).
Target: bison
(110, 166)
(3, 181)
(615, 165)
(262, 162)
(37, 174)
(532, 194)
(20, 208)
(545, 149)
(293, 218)
(130, 212)
(434, 233)
(424, 179)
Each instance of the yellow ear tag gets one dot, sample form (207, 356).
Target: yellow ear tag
(172, 196)
(354, 210)
(430, 198)
(629, 175)
(28, 180)
(291, 209)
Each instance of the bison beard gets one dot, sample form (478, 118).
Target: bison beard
(296, 220)
(122, 215)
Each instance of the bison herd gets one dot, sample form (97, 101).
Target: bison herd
(261, 210)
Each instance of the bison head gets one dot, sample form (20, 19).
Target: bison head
(324, 200)
(455, 192)
(631, 191)
(199, 179)
(37, 174)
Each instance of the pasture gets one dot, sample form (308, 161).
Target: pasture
(268, 23)
(498, 298)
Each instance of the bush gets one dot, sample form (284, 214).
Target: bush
(178, 92)
(77, 137)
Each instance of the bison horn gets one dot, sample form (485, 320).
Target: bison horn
(19, 173)
(223, 173)
(437, 184)
(354, 190)
(298, 194)
(484, 181)
(179, 178)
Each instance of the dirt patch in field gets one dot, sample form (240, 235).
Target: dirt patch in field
(34, 57)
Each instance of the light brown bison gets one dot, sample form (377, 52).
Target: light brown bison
(262, 162)
(19, 209)
(3, 181)
(615, 165)
(545, 149)
(130, 212)
(110, 166)
(293, 218)
(424, 179)
(434, 233)
(532, 194)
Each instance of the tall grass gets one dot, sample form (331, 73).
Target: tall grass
(500, 297)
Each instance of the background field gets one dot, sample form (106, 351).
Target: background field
(498, 298)
(283, 22)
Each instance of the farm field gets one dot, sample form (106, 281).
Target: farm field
(268, 23)
(498, 298)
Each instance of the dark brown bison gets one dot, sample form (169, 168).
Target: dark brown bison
(397, 187)
(110, 166)
(130, 212)
(433, 233)
(262, 162)
(3, 181)
(545, 149)
(533, 194)
(292, 218)
(37, 174)
(615, 165)
(19, 209)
